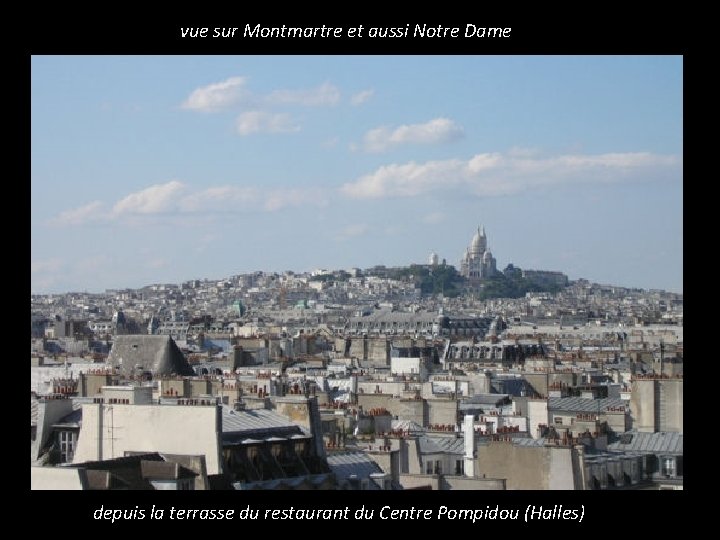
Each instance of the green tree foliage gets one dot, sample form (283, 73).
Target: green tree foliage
(441, 279)
(512, 285)
(445, 279)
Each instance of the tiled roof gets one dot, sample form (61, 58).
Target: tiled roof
(347, 464)
(436, 445)
(259, 424)
(586, 405)
(649, 443)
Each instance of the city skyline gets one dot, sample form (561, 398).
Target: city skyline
(152, 169)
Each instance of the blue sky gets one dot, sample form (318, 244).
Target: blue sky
(150, 169)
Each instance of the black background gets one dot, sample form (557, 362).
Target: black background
(541, 29)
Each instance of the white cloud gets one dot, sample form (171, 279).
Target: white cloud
(153, 200)
(217, 96)
(362, 97)
(278, 199)
(494, 174)
(323, 95)
(218, 198)
(83, 214)
(436, 131)
(265, 122)
(177, 200)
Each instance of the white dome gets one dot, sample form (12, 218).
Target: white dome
(479, 242)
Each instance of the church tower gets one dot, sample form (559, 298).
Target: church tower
(478, 262)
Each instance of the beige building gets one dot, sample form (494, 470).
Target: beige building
(657, 403)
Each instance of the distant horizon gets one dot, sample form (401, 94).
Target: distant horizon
(363, 268)
(147, 169)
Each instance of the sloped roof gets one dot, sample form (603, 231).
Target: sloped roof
(445, 445)
(164, 470)
(649, 443)
(156, 354)
(586, 405)
(406, 425)
(257, 425)
(33, 412)
(348, 464)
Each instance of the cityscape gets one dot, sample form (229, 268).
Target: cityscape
(453, 285)
(364, 379)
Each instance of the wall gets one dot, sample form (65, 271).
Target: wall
(642, 405)
(538, 381)
(617, 421)
(415, 481)
(174, 387)
(358, 348)
(41, 376)
(195, 464)
(340, 345)
(541, 381)
(57, 478)
(479, 383)
(200, 387)
(671, 392)
(446, 461)
(561, 474)
(409, 457)
(405, 366)
(381, 423)
(657, 405)
(49, 412)
(137, 395)
(405, 409)
(442, 411)
(537, 413)
(305, 412)
(378, 351)
(527, 467)
(415, 410)
(110, 430)
(386, 387)
(461, 483)
(389, 462)
(377, 401)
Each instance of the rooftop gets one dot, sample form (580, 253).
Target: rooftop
(437, 445)
(649, 443)
(352, 464)
(258, 425)
(586, 405)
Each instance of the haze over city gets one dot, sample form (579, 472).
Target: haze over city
(151, 169)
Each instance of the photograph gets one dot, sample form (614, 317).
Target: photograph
(356, 272)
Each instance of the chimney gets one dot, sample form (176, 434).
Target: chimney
(470, 446)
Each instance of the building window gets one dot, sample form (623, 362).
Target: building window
(459, 468)
(67, 446)
(429, 467)
(668, 467)
(558, 420)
